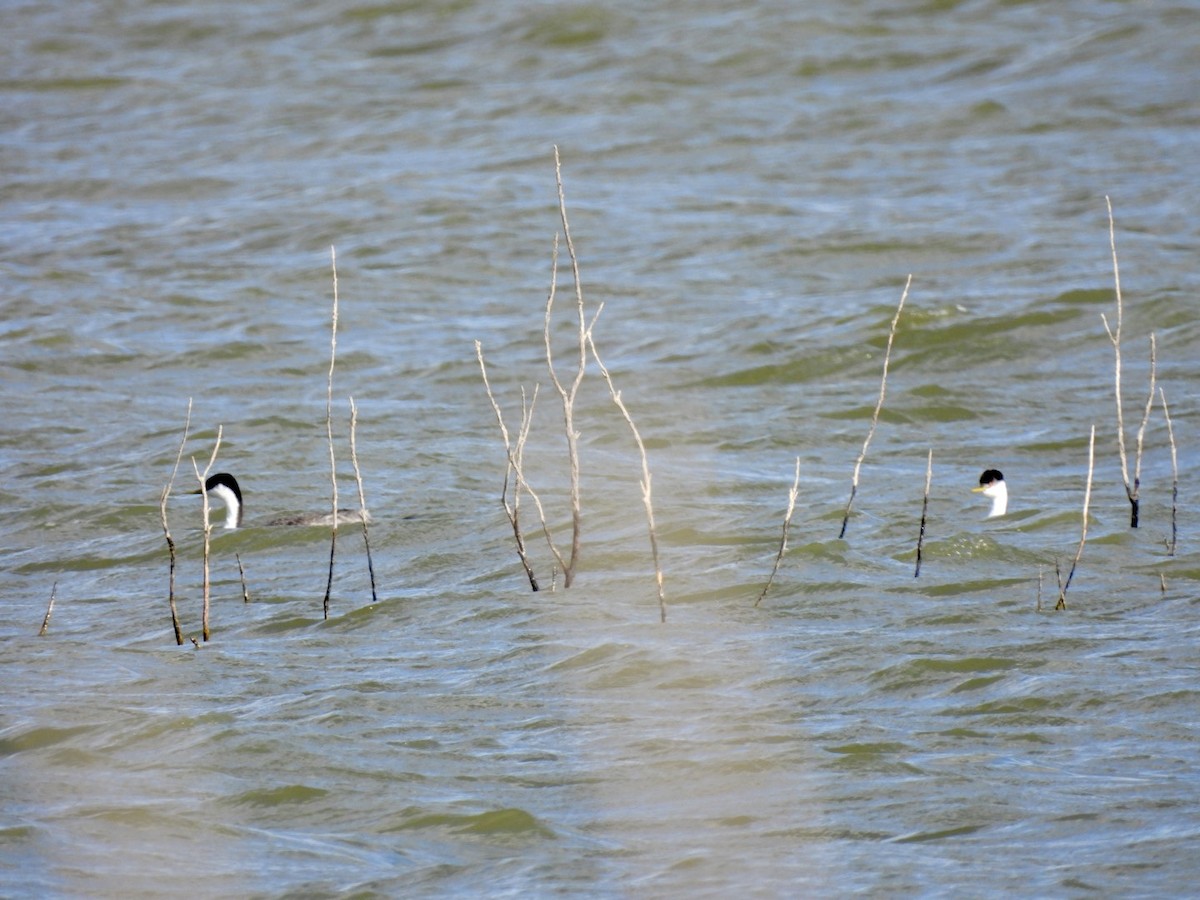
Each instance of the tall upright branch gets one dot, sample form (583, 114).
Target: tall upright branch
(162, 511)
(1087, 499)
(783, 538)
(1114, 336)
(1174, 475)
(878, 407)
(329, 431)
(202, 477)
(362, 497)
(568, 395)
(646, 496)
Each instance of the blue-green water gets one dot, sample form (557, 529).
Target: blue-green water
(748, 191)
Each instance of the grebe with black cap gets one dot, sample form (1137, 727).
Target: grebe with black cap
(991, 484)
(224, 487)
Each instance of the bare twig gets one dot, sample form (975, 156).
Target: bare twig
(878, 407)
(362, 497)
(1087, 499)
(924, 511)
(1174, 474)
(1041, 574)
(1141, 434)
(202, 477)
(787, 523)
(49, 609)
(329, 431)
(1114, 336)
(162, 511)
(646, 498)
(515, 457)
(568, 395)
(242, 576)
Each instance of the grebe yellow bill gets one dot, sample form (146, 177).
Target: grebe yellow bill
(224, 487)
(991, 484)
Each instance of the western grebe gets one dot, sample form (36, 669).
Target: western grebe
(991, 484)
(224, 487)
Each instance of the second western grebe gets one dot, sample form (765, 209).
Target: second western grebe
(224, 487)
(991, 484)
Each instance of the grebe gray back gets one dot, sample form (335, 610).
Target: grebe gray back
(991, 484)
(224, 487)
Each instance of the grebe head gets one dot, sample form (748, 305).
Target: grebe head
(991, 484)
(224, 487)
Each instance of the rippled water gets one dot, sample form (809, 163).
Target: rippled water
(748, 191)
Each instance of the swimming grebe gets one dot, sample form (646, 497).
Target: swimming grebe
(224, 487)
(991, 484)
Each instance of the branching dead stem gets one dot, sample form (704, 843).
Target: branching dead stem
(515, 454)
(1114, 336)
(568, 395)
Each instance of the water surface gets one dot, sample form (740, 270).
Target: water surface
(748, 192)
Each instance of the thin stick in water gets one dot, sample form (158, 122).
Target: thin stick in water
(878, 407)
(329, 430)
(202, 477)
(568, 395)
(49, 609)
(646, 498)
(242, 576)
(1087, 499)
(162, 511)
(787, 523)
(1114, 336)
(515, 457)
(362, 496)
(924, 511)
(1174, 475)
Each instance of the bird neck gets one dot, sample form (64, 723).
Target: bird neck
(233, 509)
(999, 500)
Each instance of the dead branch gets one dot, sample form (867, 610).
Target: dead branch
(362, 497)
(1174, 474)
(1087, 499)
(329, 431)
(878, 407)
(162, 511)
(924, 511)
(1114, 336)
(515, 456)
(787, 523)
(202, 477)
(646, 498)
(49, 609)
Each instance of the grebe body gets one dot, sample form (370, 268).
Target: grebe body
(225, 488)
